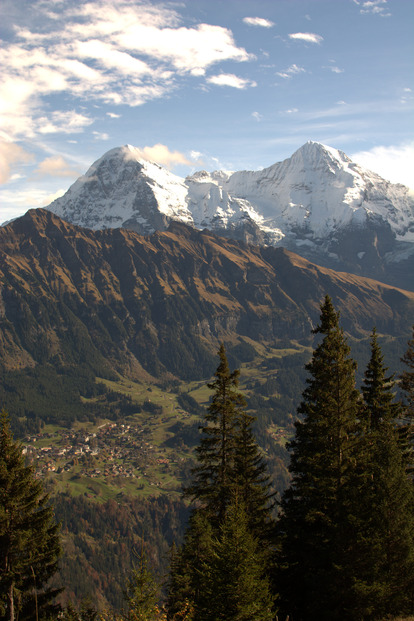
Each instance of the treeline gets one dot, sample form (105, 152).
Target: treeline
(337, 546)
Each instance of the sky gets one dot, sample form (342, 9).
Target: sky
(200, 84)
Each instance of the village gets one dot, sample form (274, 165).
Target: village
(114, 450)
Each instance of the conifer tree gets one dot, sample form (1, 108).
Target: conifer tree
(229, 466)
(190, 569)
(213, 476)
(142, 592)
(238, 587)
(384, 559)
(29, 536)
(407, 423)
(407, 377)
(252, 480)
(315, 525)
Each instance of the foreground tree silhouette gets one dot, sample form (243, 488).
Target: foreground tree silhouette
(384, 555)
(29, 536)
(407, 377)
(213, 476)
(407, 385)
(315, 526)
(229, 466)
(237, 588)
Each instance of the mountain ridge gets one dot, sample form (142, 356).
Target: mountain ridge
(318, 203)
(159, 305)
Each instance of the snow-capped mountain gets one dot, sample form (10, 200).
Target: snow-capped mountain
(317, 203)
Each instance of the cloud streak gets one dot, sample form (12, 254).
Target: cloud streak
(308, 37)
(161, 154)
(229, 79)
(55, 166)
(373, 7)
(258, 21)
(11, 154)
(290, 72)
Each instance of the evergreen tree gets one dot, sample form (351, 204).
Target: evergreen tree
(384, 567)
(190, 570)
(142, 592)
(29, 536)
(252, 480)
(315, 525)
(238, 588)
(407, 423)
(407, 377)
(213, 476)
(229, 466)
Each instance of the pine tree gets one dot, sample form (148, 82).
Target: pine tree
(252, 480)
(190, 570)
(315, 525)
(142, 592)
(213, 476)
(384, 567)
(29, 536)
(407, 422)
(238, 588)
(407, 377)
(229, 465)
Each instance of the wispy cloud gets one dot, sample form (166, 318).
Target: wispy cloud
(56, 166)
(112, 51)
(373, 7)
(257, 116)
(23, 200)
(229, 79)
(100, 135)
(308, 37)
(290, 72)
(258, 21)
(334, 69)
(162, 155)
(10, 154)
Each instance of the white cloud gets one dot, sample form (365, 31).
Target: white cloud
(10, 154)
(374, 7)
(257, 116)
(290, 72)
(394, 163)
(112, 51)
(55, 166)
(113, 115)
(100, 135)
(309, 37)
(258, 21)
(68, 122)
(15, 204)
(196, 156)
(229, 79)
(161, 154)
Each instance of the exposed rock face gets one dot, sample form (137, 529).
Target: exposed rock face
(161, 304)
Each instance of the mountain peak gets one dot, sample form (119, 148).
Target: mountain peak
(313, 151)
(309, 203)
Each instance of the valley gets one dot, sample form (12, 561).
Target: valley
(107, 341)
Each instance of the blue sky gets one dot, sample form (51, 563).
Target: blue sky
(200, 84)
